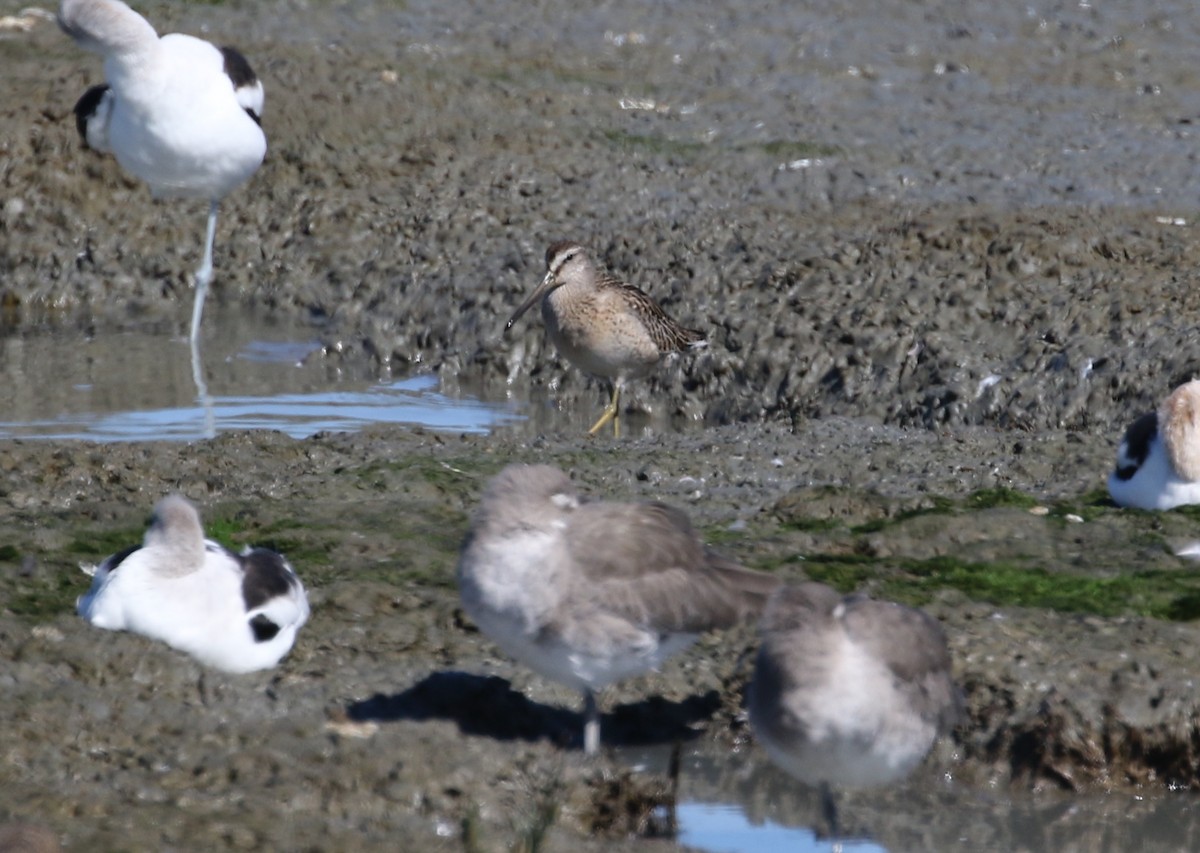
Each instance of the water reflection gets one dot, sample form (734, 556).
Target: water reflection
(735, 801)
(252, 371)
(250, 374)
(724, 828)
(409, 401)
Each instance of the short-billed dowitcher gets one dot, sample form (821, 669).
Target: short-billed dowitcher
(235, 612)
(1158, 463)
(178, 112)
(588, 593)
(605, 327)
(847, 691)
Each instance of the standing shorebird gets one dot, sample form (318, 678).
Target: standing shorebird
(847, 691)
(590, 593)
(1158, 463)
(234, 612)
(605, 327)
(178, 112)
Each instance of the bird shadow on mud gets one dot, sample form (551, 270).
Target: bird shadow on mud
(488, 706)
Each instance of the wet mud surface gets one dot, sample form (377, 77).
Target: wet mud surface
(944, 256)
(393, 717)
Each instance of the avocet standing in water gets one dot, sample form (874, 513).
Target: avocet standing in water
(1158, 463)
(234, 612)
(178, 112)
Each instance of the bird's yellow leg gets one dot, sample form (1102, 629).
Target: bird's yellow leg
(611, 413)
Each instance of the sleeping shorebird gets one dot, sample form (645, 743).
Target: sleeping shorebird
(179, 113)
(234, 612)
(587, 594)
(847, 691)
(605, 327)
(1158, 463)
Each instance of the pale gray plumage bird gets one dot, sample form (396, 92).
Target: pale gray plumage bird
(603, 326)
(590, 593)
(848, 691)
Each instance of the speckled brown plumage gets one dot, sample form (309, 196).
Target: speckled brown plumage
(603, 325)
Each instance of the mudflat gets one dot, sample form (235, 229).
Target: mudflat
(943, 256)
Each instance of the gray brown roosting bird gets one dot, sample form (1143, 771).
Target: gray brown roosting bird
(588, 593)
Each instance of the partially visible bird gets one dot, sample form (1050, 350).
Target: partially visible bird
(28, 838)
(849, 692)
(234, 612)
(590, 593)
(605, 327)
(1158, 462)
(178, 112)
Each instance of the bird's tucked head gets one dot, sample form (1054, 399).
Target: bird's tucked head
(1179, 424)
(175, 531)
(527, 496)
(105, 26)
(793, 606)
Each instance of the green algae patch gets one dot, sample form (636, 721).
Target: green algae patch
(45, 594)
(1010, 584)
(997, 497)
(653, 144)
(751, 537)
(797, 149)
(226, 530)
(937, 506)
(1191, 511)
(996, 545)
(98, 544)
(1087, 507)
(1170, 595)
(845, 573)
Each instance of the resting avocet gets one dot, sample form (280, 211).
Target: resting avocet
(234, 612)
(1158, 463)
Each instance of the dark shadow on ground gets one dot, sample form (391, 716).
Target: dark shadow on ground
(488, 706)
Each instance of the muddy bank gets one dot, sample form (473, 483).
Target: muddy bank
(938, 281)
(861, 212)
(394, 718)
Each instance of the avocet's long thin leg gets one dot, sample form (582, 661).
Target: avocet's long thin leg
(204, 273)
(591, 724)
(210, 417)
